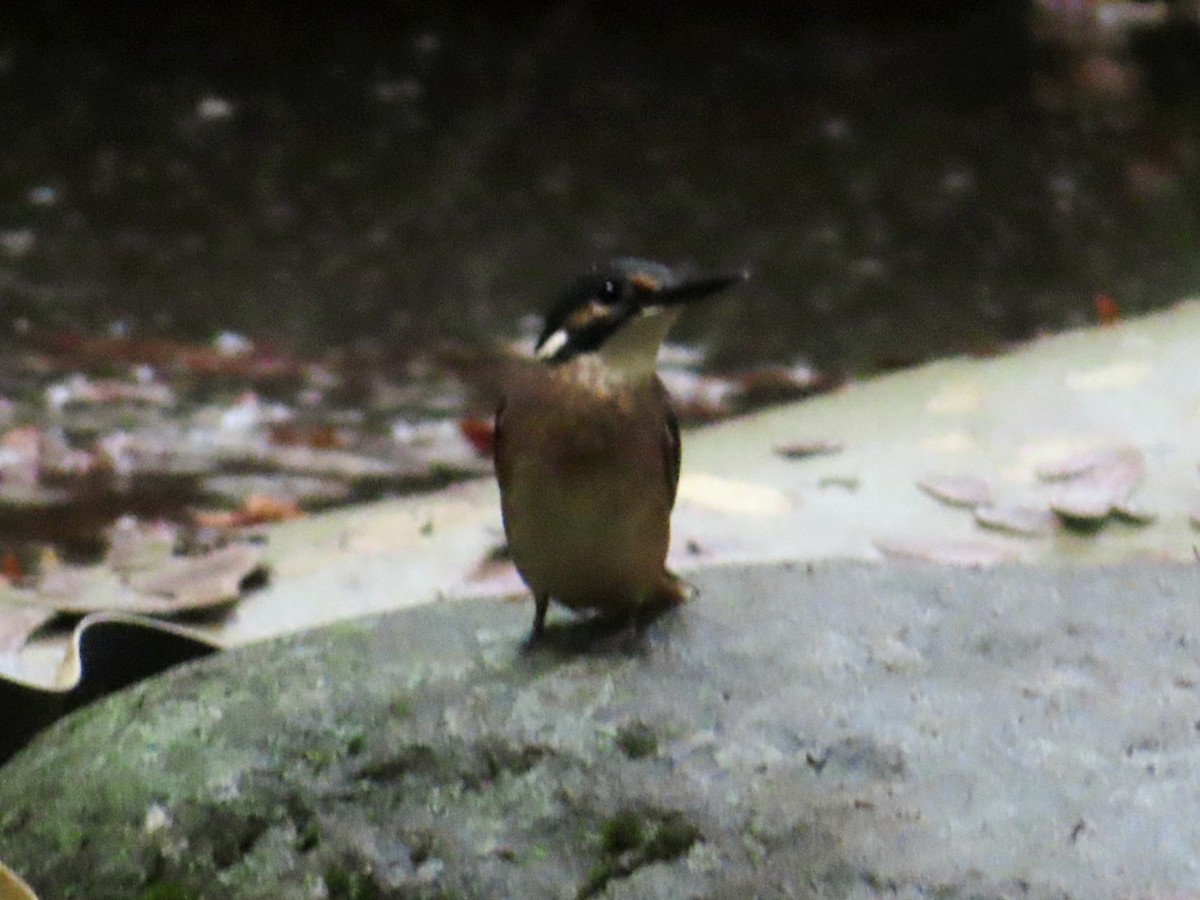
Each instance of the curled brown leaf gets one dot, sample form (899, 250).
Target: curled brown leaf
(193, 582)
(957, 490)
(1091, 485)
(1028, 521)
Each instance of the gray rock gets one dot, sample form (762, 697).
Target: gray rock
(845, 731)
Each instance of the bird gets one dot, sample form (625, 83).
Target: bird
(587, 447)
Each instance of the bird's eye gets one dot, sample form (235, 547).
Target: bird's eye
(611, 291)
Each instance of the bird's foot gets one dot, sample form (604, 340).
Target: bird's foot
(670, 591)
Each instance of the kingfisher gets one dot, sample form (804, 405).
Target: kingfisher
(587, 447)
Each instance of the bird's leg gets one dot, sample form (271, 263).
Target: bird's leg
(541, 603)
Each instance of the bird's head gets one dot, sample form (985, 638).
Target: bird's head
(622, 311)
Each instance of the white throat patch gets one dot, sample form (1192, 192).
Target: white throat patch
(633, 350)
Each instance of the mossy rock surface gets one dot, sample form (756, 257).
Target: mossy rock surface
(845, 731)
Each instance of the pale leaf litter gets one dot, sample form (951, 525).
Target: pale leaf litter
(957, 490)
(266, 456)
(166, 586)
(1086, 489)
(749, 491)
(1029, 521)
(318, 432)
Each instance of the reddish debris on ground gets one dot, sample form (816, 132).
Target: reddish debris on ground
(71, 351)
(10, 567)
(256, 509)
(314, 435)
(1107, 311)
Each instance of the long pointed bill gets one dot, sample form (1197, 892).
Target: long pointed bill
(697, 288)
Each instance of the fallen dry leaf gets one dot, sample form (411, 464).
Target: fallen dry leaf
(315, 435)
(17, 623)
(805, 449)
(134, 545)
(957, 490)
(976, 554)
(79, 590)
(1134, 514)
(1073, 464)
(1092, 484)
(302, 489)
(845, 482)
(259, 509)
(1028, 521)
(193, 582)
(256, 509)
(179, 584)
(110, 649)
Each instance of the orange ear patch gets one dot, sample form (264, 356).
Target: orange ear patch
(585, 316)
(645, 282)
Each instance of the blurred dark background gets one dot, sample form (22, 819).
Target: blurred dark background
(936, 177)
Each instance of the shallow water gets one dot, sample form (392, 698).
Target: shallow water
(900, 189)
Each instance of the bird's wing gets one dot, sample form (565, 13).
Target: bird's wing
(496, 437)
(671, 446)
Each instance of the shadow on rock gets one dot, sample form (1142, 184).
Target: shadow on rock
(631, 634)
